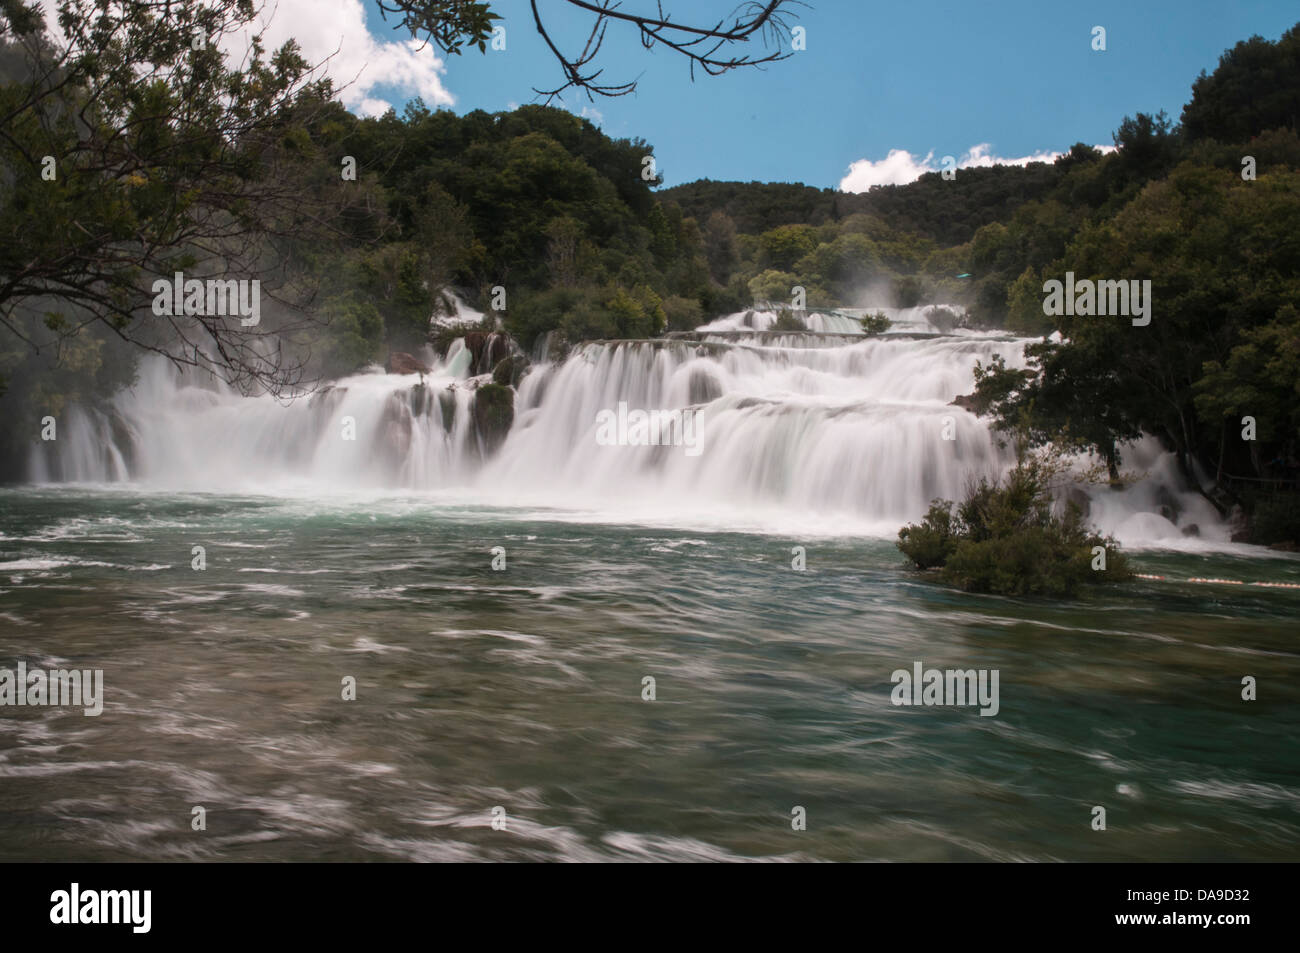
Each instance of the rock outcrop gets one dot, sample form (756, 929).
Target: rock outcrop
(494, 412)
(487, 349)
(399, 362)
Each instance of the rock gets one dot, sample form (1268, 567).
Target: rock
(486, 349)
(394, 432)
(399, 362)
(1286, 546)
(494, 412)
(447, 404)
(1191, 529)
(703, 386)
(510, 371)
(421, 400)
(964, 401)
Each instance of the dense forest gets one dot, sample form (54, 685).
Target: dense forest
(152, 156)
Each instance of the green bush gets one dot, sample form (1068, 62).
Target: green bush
(1005, 538)
(930, 543)
(786, 321)
(875, 323)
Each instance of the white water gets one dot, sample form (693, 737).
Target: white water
(796, 434)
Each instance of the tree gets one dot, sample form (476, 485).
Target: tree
(1148, 145)
(134, 151)
(452, 25)
(720, 246)
(1256, 87)
(563, 237)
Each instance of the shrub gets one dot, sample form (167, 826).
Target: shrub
(1005, 538)
(931, 542)
(875, 323)
(786, 321)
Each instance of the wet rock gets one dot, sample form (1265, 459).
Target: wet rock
(1284, 547)
(447, 405)
(493, 412)
(399, 362)
(510, 371)
(394, 431)
(703, 386)
(486, 349)
(1192, 529)
(964, 401)
(421, 398)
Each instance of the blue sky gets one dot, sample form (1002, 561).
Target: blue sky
(931, 78)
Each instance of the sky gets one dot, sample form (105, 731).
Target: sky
(881, 93)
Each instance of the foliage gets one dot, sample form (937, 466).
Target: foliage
(1005, 538)
(875, 323)
(786, 320)
(1256, 87)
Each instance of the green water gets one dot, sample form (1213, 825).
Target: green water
(522, 689)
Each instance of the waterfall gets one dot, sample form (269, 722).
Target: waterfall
(834, 431)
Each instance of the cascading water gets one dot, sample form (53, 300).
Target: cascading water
(835, 432)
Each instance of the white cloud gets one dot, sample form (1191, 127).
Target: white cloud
(595, 115)
(901, 167)
(897, 168)
(358, 62)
